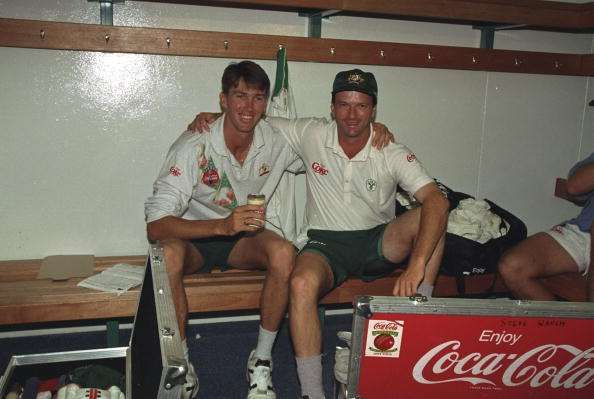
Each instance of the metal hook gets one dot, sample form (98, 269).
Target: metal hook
(226, 44)
(332, 50)
(517, 62)
(558, 64)
(42, 34)
(475, 59)
(429, 56)
(168, 41)
(382, 54)
(106, 39)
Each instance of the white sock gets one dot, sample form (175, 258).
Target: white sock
(265, 342)
(426, 289)
(309, 370)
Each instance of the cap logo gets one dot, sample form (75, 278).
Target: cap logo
(355, 78)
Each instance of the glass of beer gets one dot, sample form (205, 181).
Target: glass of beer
(260, 200)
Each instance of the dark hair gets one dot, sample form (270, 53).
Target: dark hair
(252, 74)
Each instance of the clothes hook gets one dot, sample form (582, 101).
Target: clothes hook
(332, 50)
(106, 39)
(168, 41)
(42, 34)
(226, 44)
(382, 54)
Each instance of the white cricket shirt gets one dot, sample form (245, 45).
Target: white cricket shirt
(201, 180)
(349, 194)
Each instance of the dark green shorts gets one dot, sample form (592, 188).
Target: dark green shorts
(355, 253)
(215, 251)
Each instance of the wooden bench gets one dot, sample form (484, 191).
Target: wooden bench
(25, 299)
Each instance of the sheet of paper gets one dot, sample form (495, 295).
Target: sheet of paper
(117, 279)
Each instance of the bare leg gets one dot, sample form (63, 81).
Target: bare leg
(311, 279)
(181, 258)
(538, 256)
(266, 250)
(399, 239)
(275, 254)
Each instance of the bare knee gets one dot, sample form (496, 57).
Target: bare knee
(304, 289)
(174, 251)
(281, 260)
(514, 265)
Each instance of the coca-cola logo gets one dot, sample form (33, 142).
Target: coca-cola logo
(383, 325)
(445, 363)
(319, 168)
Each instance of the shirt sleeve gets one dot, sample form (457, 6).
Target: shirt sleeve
(581, 163)
(294, 130)
(406, 169)
(173, 188)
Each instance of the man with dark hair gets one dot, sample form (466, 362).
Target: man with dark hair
(350, 225)
(198, 212)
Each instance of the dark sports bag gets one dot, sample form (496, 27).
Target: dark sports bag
(464, 257)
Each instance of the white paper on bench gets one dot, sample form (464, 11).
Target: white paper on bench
(117, 279)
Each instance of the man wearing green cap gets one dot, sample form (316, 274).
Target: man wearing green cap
(350, 227)
(350, 223)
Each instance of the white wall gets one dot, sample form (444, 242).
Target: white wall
(83, 134)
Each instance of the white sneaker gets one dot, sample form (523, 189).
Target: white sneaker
(190, 388)
(259, 375)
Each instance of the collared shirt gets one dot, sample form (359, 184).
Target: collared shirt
(349, 194)
(201, 180)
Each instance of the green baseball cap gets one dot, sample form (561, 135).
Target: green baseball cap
(355, 80)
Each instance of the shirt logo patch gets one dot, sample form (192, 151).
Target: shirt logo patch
(411, 157)
(370, 184)
(264, 169)
(319, 169)
(175, 171)
(211, 177)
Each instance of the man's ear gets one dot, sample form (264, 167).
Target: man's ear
(373, 114)
(223, 101)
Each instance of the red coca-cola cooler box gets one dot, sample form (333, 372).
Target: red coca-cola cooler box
(464, 348)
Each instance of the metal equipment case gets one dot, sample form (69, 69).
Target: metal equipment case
(463, 348)
(154, 364)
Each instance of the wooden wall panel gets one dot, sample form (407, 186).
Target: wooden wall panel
(87, 37)
(537, 13)
(587, 68)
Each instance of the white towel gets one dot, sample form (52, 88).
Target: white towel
(474, 220)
